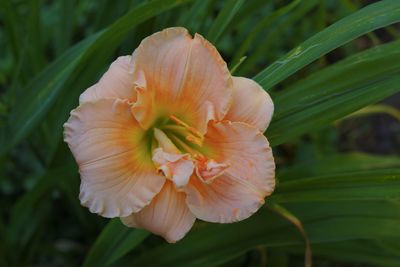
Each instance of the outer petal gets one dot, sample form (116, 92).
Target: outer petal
(227, 199)
(241, 190)
(251, 104)
(186, 77)
(118, 176)
(167, 215)
(117, 82)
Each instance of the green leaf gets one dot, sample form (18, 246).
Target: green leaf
(263, 24)
(337, 164)
(234, 68)
(335, 91)
(195, 16)
(31, 210)
(297, 223)
(114, 242)
(375, 109)
(5, 253)
(357, 251)
(69, 187)
(63, 35)
(312, 211)
(45, 89)
(332, 109)
(381, 184)
(374, 16)
(41, 93)
(214, 244)
(227, 13)
(285, 19)
(13, 27)
(338, 78)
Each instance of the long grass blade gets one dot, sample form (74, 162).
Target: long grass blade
(335, 92)
(372, 17)
(227, 13)
(114, 241)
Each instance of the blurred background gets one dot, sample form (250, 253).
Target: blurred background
(342, 144)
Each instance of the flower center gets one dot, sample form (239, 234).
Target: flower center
(179, 151)
(180, 135)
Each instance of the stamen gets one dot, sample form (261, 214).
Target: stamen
(196, 134)
(194, 140)
(184, 146)
(175, 128)
(184, 132)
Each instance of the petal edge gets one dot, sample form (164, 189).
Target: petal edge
(117, 175)
(167, 215)
(251, 104)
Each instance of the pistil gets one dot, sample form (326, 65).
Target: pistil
(164, 142)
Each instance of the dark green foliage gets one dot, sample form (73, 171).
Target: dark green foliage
(321, 60)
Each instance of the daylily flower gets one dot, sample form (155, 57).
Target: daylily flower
(168, 135)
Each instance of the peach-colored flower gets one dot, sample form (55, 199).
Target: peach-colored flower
(168, 135)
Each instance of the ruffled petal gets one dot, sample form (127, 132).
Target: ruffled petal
(247, 151)
(176, 167)
(167, 215)
(185, 76)
(117, 173)
(251, 104)
(117, 82)
(208, 169)
(227, 199)
(241, 189)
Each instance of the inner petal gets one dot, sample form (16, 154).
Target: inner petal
(176, 167)
(179, 151)
(208, 169)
